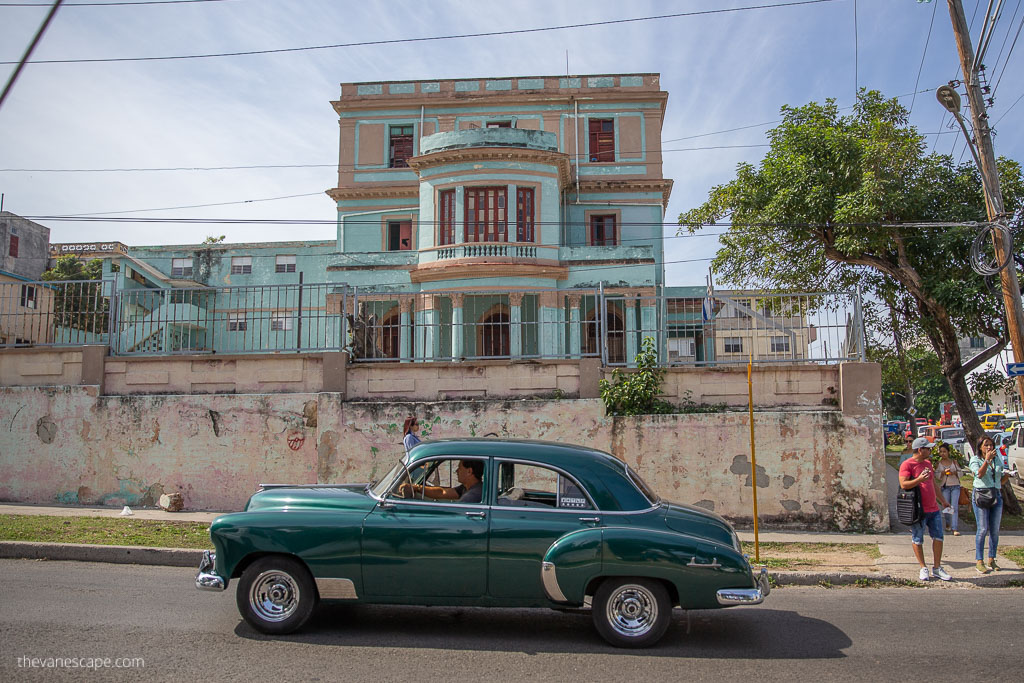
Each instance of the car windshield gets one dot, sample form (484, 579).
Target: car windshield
(379, 487)
(649, 494)
(952, 433)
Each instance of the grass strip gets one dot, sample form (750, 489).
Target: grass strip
(1014, 553)
(782, 555)
(105, 531)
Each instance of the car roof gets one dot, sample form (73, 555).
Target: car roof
(600, 473)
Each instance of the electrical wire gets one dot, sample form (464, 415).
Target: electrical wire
(920, 68)
(393, 41)
(28, 51)
(1006, 63)
(107, 4)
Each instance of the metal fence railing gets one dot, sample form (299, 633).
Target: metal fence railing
(57, 313)
(417, 326)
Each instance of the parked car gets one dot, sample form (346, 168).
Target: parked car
(997, 438)
(1015, 454)
(954, 436)
(556, 526)
(991, 420)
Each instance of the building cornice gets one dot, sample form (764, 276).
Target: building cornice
(346, 194)
(488, 268)
(559, 160)
(662, 185)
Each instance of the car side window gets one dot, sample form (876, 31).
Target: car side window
(438, 481)
(529, 485)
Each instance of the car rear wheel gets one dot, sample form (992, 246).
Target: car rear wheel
(631, 612)
(276, 595)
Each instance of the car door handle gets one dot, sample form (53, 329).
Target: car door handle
(476, 515)
(591, 520)
(712, 565)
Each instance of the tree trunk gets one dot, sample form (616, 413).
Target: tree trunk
(902, 358)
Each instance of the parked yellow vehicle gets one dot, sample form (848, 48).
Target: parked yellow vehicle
(990, 420)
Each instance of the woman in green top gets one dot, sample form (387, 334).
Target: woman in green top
(988, 474)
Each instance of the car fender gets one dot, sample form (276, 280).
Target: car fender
(695, 566)
(570, 564)
(326, 541)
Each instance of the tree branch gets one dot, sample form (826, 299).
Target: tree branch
(986, 355)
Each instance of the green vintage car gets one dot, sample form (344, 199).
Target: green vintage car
(485, 522)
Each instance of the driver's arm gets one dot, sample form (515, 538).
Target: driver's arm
(434, 492)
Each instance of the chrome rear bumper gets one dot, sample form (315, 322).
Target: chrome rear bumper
(206, 580)
(747, 596)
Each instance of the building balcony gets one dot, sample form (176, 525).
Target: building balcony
(489, 137)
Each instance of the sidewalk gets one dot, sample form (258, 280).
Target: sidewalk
(896, 561)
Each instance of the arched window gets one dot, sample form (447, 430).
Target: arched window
(492, 332)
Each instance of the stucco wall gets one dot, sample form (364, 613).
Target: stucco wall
(69, 445)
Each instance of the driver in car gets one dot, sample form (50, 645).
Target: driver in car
(470, 489)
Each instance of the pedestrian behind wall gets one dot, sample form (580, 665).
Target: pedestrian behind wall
(949, 478)
(918, 471)
(987, 501)
(409, 430)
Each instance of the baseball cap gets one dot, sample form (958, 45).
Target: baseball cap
(921, 442)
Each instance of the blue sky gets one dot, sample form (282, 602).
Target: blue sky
(722, 71)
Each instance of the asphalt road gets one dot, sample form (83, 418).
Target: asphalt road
(77, 609)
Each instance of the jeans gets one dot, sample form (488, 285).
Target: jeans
(952, 494)
(931, 521)
(988, 525)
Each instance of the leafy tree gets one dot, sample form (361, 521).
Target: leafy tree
(70, 267)
(831, 205)
(210, 239)
(990, 382)
(79, 299)
(921, 367)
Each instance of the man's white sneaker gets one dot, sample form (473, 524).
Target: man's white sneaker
(924, 575)
(940, 573)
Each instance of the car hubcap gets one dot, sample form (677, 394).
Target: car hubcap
(632, 610)
(274, 596)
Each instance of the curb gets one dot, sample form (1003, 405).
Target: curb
(115, 554)
(834, 578)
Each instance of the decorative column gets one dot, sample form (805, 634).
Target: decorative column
(575, 327)
(548, 319)
(459, 229)
(515, 332)
(458, 337)
(405, 328)
(629, 310)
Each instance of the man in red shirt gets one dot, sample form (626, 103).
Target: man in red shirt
(918, 471)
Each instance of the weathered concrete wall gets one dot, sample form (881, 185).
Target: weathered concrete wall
(41, 367)
(68, 445)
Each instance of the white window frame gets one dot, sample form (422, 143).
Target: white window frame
(237, 322)
(779, 344)
(284, 263)
(28, 297)
(732, 341)
(241, 265)
(181, 267)
(281, 322)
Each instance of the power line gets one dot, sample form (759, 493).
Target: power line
(923, 54)
(1007, 62)
(106, 4)
(28, 52)
(393, 41)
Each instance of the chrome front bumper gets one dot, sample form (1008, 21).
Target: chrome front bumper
(747, 596)
(206, 580)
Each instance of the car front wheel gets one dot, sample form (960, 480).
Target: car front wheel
(631, 612)
(276, 595)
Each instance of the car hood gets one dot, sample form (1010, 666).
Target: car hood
(343, 497)
(696, 521)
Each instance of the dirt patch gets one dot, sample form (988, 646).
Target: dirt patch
(826, 557)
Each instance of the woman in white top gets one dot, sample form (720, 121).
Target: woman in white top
(948, 473)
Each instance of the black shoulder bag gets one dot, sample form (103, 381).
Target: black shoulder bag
(908, 505)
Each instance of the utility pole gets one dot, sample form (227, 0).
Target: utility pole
(990, 182)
